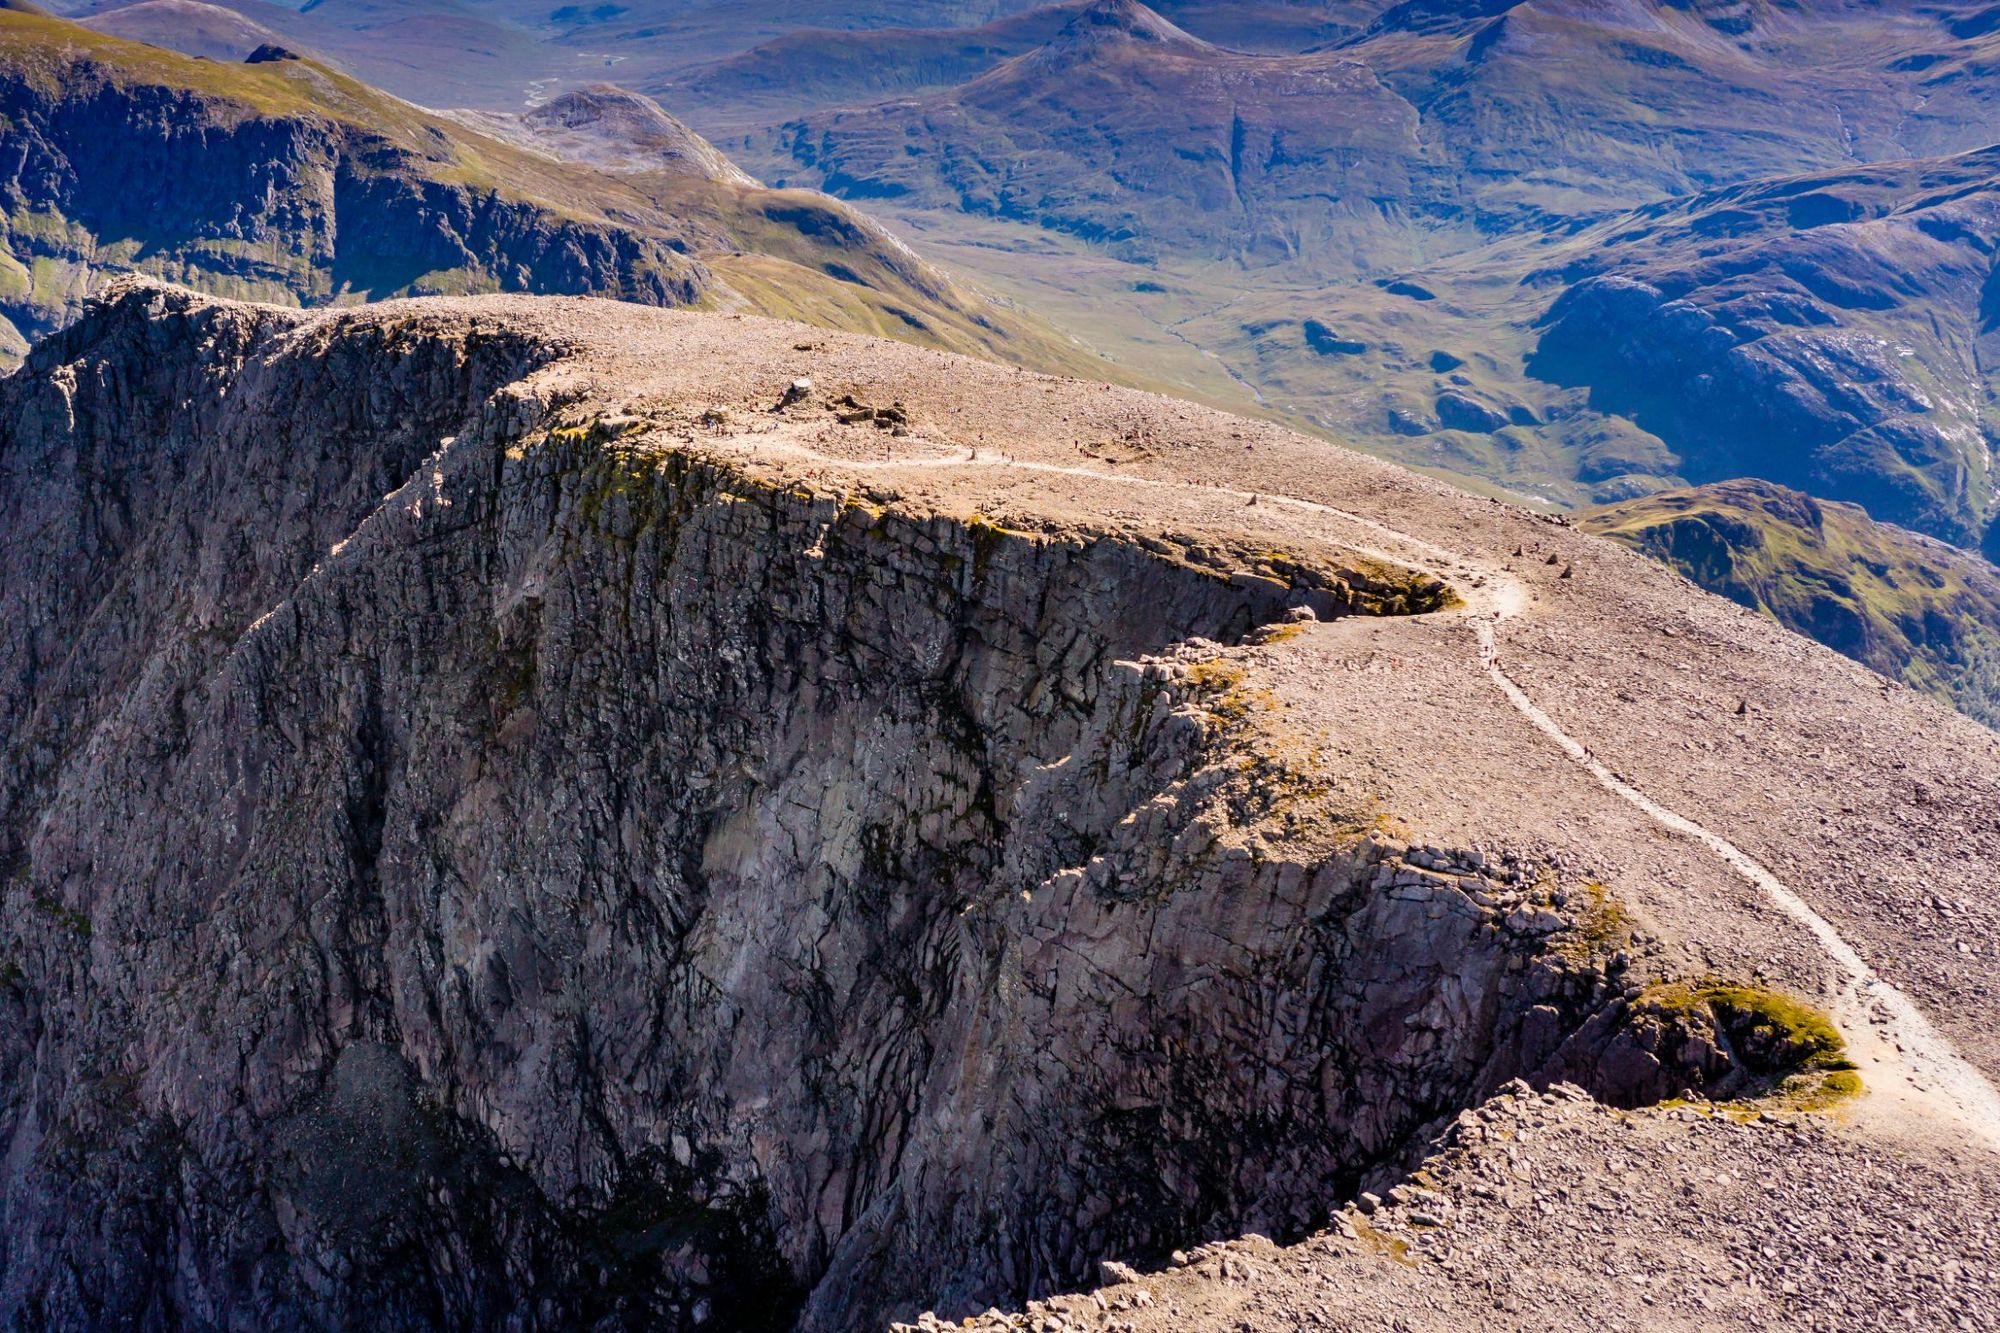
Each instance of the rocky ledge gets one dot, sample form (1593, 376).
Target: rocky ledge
(1542, 1211)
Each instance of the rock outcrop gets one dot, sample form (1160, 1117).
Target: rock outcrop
(474, 855)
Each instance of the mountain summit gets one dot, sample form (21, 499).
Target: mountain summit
(614, 129)
(189, 26)
(1124, 20)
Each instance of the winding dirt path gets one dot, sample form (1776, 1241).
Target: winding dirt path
(1906, 1064)
(1908, 1067)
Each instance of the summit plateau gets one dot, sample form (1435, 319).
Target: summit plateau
(546, 813)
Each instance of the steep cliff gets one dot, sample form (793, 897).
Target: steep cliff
(742, 999)
(503, 826)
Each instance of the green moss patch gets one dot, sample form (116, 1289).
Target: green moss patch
(1742, 1042)
(1772, 1031)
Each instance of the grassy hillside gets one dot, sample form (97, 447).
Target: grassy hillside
(1908, 606)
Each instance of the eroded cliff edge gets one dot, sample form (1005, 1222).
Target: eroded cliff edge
(477, 853)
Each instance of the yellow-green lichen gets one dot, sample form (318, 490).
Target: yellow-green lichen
(1599, 925)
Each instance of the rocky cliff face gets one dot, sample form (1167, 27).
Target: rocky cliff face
(478, 856)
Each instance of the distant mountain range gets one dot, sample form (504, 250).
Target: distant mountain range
(1834, 331)
(1129, 132)
(1436, 128)
(1565, 247)
(494, 54)
(283, 179)
(836, 51)
(1831, 331)
(814, 68)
